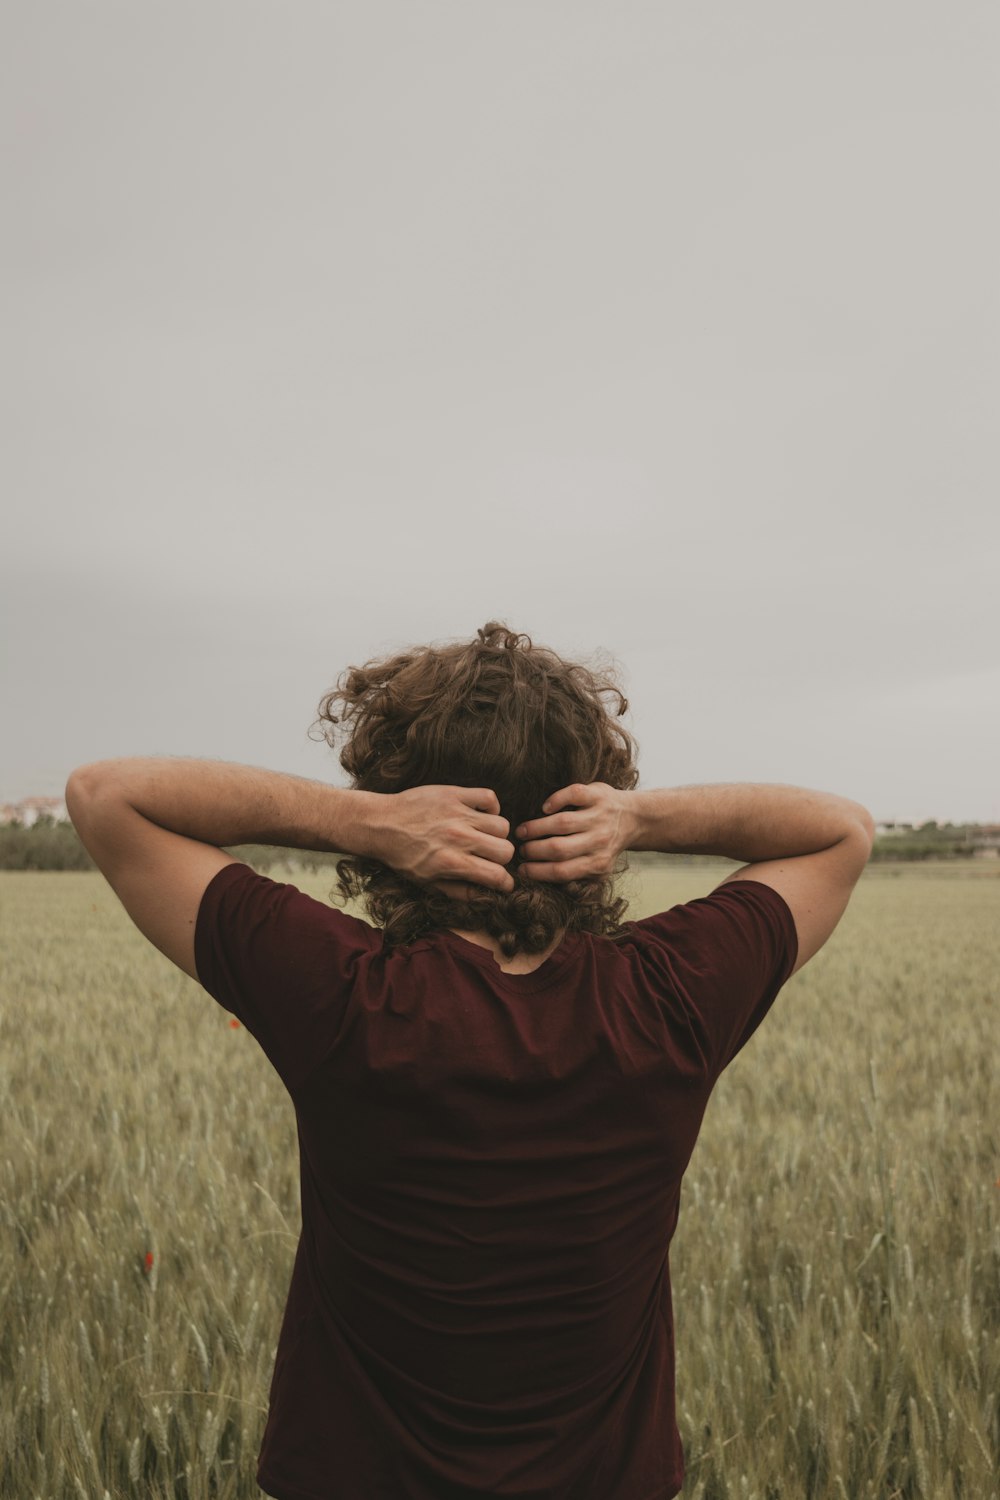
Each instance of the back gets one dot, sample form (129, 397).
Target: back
(491, 1167)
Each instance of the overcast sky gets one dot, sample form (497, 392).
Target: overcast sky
(666, 331)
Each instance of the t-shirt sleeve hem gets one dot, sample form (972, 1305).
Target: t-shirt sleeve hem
(784, 913)
(208, 909)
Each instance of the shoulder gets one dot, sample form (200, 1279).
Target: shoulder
(723, 958)
(286, 964)
(243, 907)
(740, 908)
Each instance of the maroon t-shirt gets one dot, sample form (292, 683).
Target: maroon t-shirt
(491, 1167)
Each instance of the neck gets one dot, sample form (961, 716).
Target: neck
(522, 963)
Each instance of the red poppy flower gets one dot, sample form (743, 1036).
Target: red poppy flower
(149, 1261)
(234, 1023)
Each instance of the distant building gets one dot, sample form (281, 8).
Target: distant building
(30, 809)
(888, 830)
(984, 840)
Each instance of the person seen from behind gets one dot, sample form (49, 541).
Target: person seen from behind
(498, 1080)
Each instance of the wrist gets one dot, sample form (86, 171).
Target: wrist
(637, 820)
(361, 822)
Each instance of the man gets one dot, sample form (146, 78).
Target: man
(498, 1086)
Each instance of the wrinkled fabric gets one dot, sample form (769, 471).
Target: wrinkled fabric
(490, 1170)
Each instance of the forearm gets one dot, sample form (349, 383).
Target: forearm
(742, 821)
(221, 803)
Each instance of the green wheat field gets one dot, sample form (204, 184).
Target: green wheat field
(836, 1269)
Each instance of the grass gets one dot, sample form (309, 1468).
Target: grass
(836, 1270)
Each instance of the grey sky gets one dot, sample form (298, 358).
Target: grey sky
(663, 330)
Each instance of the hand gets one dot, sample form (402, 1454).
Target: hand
(445, 835)
(585, 840)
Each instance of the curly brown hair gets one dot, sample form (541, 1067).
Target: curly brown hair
(496, 712)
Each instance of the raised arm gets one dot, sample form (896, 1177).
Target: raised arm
(809, 846)
(156, 828)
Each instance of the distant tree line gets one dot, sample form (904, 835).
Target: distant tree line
(52, 845)
(931, 840)
(46, 845)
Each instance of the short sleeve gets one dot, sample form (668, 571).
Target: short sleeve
(723, 958)
(282, 962)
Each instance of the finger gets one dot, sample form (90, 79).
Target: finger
(482, 798)
(543, 828)
(493, 877)
(556, 849)
(487, 823)
(556, 873)
(500, 851)
(575, 795)
(464, 890)
(452, 888)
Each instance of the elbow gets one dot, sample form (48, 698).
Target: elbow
(77, 791)
(867, 824)
(82, 786)
(80, 782)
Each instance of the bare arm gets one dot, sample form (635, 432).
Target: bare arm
(155, 828)
(741, 820)
(810, 847)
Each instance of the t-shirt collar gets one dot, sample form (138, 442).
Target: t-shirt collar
(538, 978)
